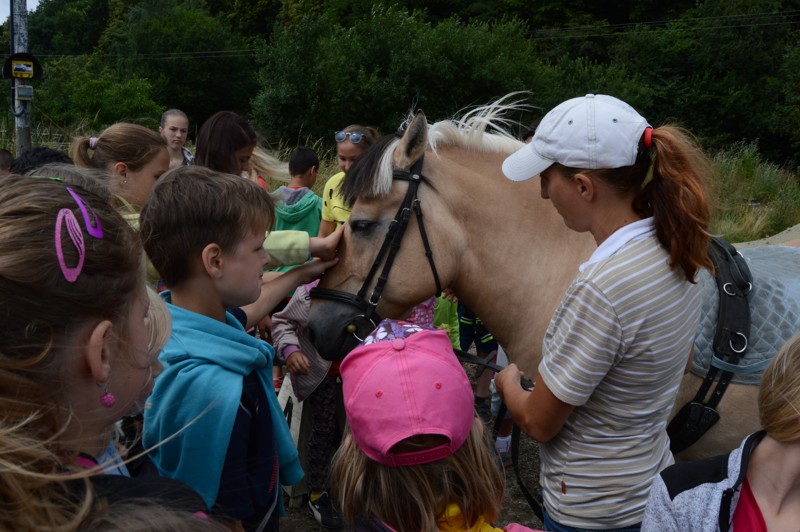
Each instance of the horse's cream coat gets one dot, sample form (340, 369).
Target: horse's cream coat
(497, 244)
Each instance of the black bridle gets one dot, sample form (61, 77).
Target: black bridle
(364, 323)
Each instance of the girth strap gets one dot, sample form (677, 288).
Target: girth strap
(734, 282)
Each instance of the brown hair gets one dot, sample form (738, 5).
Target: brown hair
(219, 138)
(146, 514)
(412, 497)
(779, 394)
(371, 135)
(131, 144)
(191, 207)
(41, 312)
(669, 179)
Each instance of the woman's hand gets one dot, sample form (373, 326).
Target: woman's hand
(510, 376)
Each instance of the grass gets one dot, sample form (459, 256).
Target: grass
(754, 198)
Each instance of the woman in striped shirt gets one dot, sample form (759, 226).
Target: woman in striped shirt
(616, 347)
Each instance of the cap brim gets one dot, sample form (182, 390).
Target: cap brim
(525, 164)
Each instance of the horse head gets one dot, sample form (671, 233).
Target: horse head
(393, 227)
(498, 245)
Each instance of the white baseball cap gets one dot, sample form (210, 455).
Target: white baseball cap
(589, 132)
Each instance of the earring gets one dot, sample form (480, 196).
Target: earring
(108, 399)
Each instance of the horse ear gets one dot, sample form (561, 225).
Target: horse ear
(413, 143)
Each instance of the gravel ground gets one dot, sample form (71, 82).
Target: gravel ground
(515, 508)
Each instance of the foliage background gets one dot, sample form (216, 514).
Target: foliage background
(726, 69)
(729, 70)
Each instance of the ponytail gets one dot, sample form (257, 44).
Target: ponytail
(675, 195)
(668, 178)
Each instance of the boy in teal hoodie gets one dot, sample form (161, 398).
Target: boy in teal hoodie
(214, 421)
(296, 206)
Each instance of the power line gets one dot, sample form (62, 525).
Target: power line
(751, 20)
(694, 24)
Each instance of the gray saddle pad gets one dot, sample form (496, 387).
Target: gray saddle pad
(774, 312)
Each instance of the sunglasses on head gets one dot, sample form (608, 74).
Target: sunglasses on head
(355, 136)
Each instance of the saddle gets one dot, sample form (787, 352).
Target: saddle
(734, 283)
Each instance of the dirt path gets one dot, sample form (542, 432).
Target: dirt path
(787, 236)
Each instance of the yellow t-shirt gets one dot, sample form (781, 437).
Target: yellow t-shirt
(333, 207)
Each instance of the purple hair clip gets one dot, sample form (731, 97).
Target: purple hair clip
(93, 228)
(92, 223)
(93, 142)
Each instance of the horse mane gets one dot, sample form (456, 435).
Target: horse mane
(486, 128)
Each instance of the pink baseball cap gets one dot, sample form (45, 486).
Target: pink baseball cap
(404, 380)
(589, 132)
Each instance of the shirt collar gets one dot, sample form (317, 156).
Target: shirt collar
(623, 235)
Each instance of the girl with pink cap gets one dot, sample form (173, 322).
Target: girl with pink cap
(416, 457)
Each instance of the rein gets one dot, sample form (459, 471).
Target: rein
(534, 500)
(364, 323)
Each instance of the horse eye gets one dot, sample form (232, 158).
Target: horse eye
(361, 226)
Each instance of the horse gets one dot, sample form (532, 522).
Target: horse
(503, 250)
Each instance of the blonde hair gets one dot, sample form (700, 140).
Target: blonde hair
(158, 323)
(779, 394)
(413, 497)
(371, 135)
(263, 164)
(42, 311)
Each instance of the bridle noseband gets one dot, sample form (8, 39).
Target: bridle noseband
(365, 322)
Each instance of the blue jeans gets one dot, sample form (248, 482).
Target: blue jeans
(553, 526)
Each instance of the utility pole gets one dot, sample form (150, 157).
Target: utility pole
(19, 86)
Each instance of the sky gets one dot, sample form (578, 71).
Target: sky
(5, 8)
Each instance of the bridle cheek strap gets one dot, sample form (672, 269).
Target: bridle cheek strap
(388, 250)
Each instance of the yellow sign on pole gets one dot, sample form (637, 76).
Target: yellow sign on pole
(21, 69)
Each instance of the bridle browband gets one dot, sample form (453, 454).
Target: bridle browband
(364, 323)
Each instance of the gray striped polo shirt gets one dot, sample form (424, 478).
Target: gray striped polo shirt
(616, 348)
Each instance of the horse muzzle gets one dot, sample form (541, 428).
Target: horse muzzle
(336, 329)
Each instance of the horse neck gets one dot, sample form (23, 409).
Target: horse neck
(517, 257)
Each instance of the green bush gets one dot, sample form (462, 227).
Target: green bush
(319, 76)
(79, 90)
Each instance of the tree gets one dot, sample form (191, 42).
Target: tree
(376, 69)
(193, 60)
(80, 91)
(67, 27)
(715, 71)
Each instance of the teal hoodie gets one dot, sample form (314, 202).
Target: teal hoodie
(196, 398)
(297, 210)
